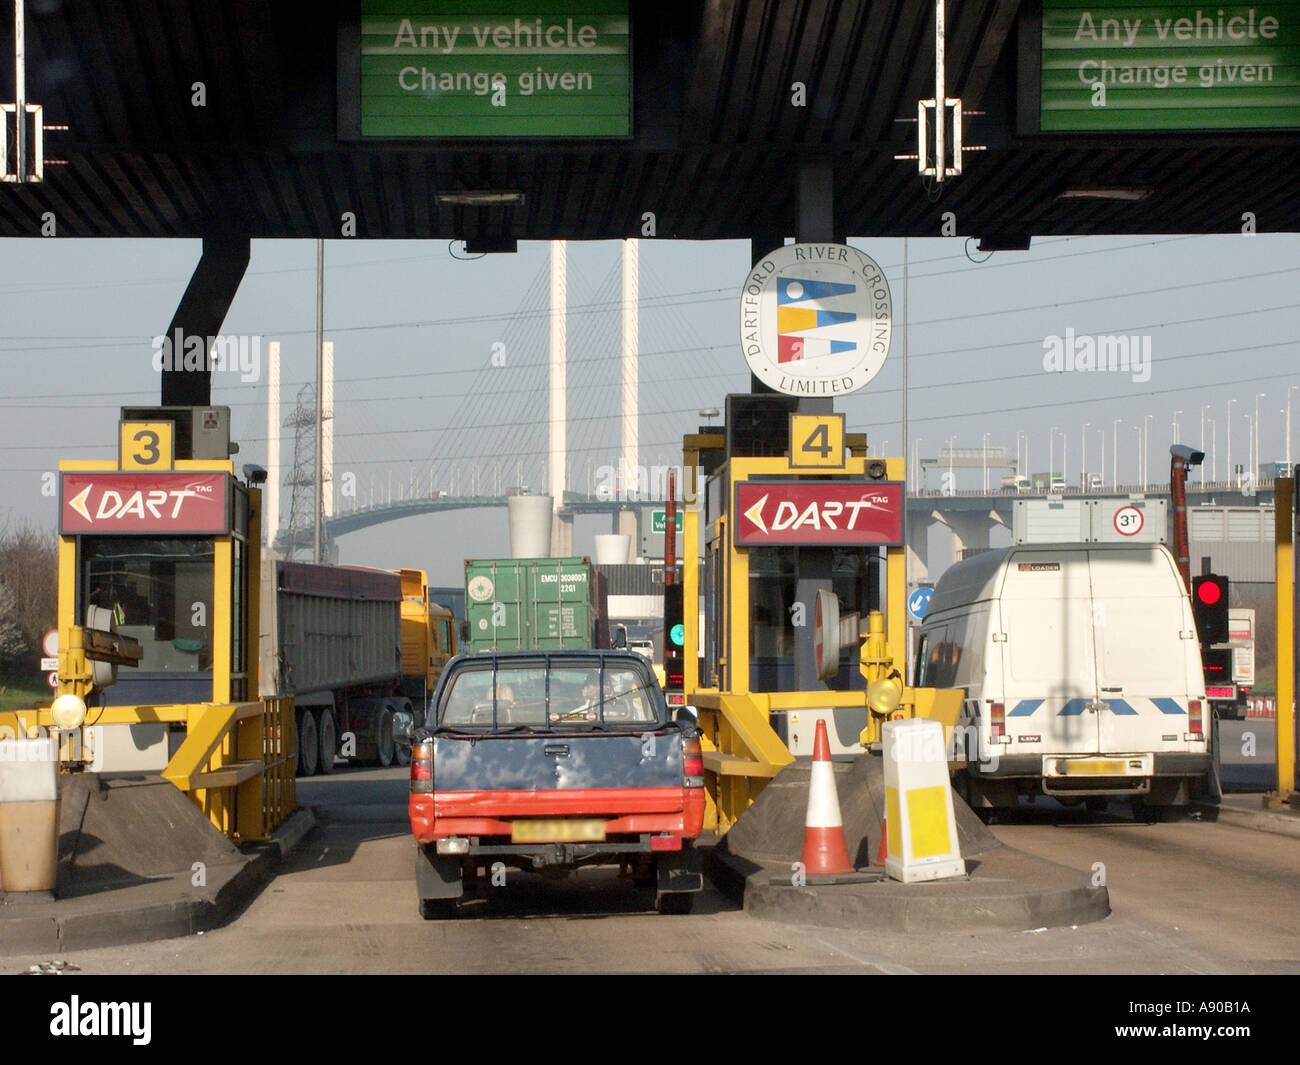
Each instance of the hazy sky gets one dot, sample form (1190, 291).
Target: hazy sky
(419, 400)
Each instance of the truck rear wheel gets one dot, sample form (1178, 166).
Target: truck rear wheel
(385, 745)
(677, 903)
(308, 747)
(437, 909)
(403, 750)
(328, 741)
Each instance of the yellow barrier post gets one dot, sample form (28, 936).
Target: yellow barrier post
(1284, 584)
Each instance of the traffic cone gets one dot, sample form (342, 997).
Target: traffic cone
(824, 850)
(882, 852)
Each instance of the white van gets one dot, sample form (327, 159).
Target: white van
(1082, 675)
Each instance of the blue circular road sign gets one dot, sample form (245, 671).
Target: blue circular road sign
(919, 602)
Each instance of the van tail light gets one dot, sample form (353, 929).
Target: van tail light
(1194, 717)
(997, 721)
(422, 768)
(692, 763)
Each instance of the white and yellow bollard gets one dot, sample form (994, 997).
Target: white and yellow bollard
(918, 803)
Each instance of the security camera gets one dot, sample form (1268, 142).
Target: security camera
(254, 474)
(1189, 455)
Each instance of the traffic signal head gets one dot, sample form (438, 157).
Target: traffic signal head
(674, 637)
(1210, 608)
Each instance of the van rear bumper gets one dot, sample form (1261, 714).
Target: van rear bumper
(1167, 764)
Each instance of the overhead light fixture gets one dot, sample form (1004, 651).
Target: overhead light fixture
(1005, 240)
(481, 198)
(483, 245)
(1128, 195)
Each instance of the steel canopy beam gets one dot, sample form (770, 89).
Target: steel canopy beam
(201, 311)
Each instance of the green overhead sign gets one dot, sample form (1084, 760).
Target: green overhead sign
(1125, 66)
(659, 521)
(495, 68)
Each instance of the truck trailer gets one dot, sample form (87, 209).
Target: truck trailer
(358, 650)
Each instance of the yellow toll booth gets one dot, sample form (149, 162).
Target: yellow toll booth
(159, 557)
(802, 591)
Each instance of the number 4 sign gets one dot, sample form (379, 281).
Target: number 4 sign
(817, 442)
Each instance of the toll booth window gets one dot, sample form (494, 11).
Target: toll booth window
(773, 579)
(160, 593)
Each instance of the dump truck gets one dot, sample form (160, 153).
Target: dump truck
(358, 650)
(547, 604)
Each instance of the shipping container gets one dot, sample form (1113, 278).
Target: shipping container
(534, 603)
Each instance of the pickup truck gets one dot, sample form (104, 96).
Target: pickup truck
(548, 761)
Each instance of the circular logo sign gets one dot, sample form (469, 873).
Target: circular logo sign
(1128, 521)
(919, 602)
(50, 644)
(480, 588)
(816, 319)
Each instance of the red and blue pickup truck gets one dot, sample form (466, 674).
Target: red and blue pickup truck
(548, 761)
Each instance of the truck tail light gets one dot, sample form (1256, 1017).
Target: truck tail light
(422, 767)
(692, 763)
(1194, 717)
(997, 720)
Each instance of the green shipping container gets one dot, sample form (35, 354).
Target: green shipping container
(531, 603)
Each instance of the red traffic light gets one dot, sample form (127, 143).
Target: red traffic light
(1208, 592)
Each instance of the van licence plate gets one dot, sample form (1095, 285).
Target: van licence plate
(559, 830)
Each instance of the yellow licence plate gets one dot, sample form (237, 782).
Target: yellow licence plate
(563, 830)
(1113, 767)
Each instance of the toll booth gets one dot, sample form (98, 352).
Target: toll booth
(165, 541)
(159, 557)
(802, 590)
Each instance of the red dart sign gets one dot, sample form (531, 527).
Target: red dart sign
(818, 512)
(114, 504)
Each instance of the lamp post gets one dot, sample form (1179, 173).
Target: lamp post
(986, 462)
(1214, 454)
(1101, 435)
(1051, 455)
(1083, 456)
(1145, 440)
(1114, 460)
(1138, 429)
(1204, 408)
(1228, 443)
(1250, 447)
(1254, 466)
(1289, 390)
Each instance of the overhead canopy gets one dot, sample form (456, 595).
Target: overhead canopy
(729, 99)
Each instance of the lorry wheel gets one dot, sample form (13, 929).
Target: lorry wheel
(437, 909)
(308, 749)
(328, 741)
(1097, 804)
(403, 751)
(677, 903)
(385, 745)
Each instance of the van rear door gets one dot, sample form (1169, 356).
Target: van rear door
(1145, 651)
(1049, 655)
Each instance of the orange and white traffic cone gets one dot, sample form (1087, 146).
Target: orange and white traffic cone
(824, 850)
(883, 851)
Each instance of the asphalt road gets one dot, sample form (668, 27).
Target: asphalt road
(1187, 897)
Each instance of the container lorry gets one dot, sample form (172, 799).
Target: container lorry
(549, 604)
(1082, 676)
(358, 649)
